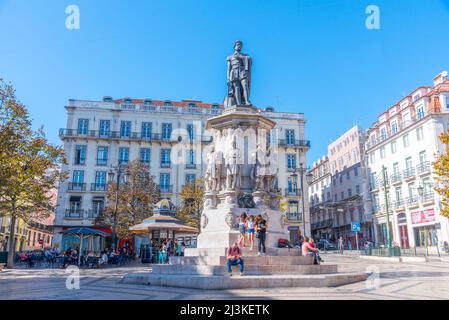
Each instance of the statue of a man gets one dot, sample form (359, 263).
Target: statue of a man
(239, 77)
(233, 162)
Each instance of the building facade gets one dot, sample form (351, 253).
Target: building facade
(340, 190)
(168, 136)
(400, 149)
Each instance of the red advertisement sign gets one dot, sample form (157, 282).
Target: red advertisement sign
(423, 216)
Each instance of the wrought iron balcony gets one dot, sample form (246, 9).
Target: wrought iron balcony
(166, 188)
(294, 216)
(93, 213)
(423, 168)
(74, 213)
(294, 143)
(409, 173)
(412, 201)
(76, 187)
(99, 187)
(190, 166)
(292, 192)
(396, 178)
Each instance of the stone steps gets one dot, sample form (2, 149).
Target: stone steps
(249, 260)
(245, 252)
(208, 270)
(244, 282)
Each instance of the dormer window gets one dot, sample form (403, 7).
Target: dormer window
(192, 108)
(269, 109)
(168, 106)
(215, 109)
(107, 99)
(416, 96)
(128, 104)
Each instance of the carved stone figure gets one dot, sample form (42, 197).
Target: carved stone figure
(213, 170)
(239, 78)
(233, 165)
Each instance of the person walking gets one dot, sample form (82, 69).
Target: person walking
(250, 230)
(169, 243)
(340, 244)
(235, 258)
(261, 229)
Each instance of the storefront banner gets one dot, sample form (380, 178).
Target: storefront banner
(423, 216)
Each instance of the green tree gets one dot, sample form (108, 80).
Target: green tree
(192, 198)
(441, 167)
(137, 194)
(29, 166)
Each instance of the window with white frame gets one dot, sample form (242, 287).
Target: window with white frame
(419, 133)
(405, 140)
(382, 153)
(394, 147)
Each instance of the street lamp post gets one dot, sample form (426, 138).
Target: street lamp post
(118, 171)
(309, 177)
(384, 175)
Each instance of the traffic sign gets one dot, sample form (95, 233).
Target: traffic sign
(355, 226)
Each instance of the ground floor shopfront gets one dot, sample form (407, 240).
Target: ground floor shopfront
(414, 228)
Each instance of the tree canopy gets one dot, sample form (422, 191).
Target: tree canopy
(441, 167)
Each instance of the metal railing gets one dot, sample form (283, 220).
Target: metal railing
(76, 186)
(412, 201)
(294, 216)
(295, 192)
(396, 177)
(294, 143)
(166, 188)
(98, 187)
(409, 173)
(423, 168)
(74, 213)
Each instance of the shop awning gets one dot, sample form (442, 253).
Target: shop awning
(161, 222)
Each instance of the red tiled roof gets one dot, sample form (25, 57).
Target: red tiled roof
(183, 103)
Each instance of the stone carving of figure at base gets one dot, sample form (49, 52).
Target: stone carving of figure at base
(213, 170)
(233, 164)
(272, 171)
(260, 170)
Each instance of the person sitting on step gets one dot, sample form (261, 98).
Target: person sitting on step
(235, 258)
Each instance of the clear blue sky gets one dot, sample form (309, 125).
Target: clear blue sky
(311, 56)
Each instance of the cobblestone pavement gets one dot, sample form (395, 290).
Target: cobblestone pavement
(396, 280)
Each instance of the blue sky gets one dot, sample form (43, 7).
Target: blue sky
(311, 56)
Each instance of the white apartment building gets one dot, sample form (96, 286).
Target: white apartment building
(340, 190)
(101, 134)
(405, 142)
(320, 199)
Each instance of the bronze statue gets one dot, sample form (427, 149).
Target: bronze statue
(239, 78)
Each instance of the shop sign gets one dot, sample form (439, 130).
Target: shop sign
(423, 216)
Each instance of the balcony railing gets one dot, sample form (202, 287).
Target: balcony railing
(74, 213)
(428, 197)
(76, 186)
(99, 187)
(292, 192)
(399, 204)
(140, 136)
(93, 213)
(190, 166)
(166, 188)
(409, 173)
(395, 178)
(423, 168)
(165, 164)
(293, 216)
(412, 201)
(390, 133)
(294, 143)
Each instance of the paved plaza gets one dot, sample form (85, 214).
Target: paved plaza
(407, 280)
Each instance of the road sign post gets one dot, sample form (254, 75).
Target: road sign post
(355, 226)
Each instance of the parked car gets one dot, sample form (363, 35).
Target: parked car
(324, 244)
